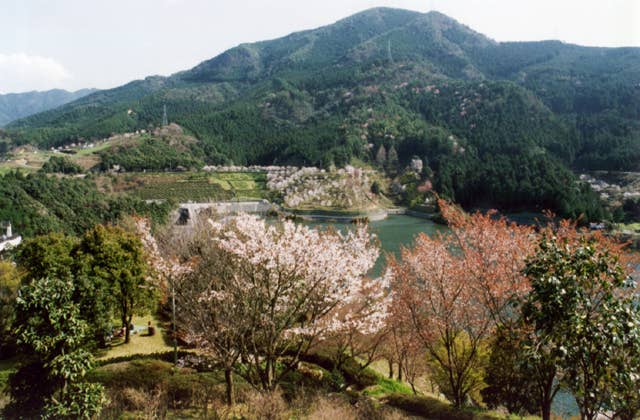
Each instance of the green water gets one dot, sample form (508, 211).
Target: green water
(393, 232)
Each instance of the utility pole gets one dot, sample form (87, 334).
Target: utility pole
(173, 323)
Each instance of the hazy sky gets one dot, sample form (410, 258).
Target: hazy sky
(73, 44)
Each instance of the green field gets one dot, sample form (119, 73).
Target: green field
(198, 187)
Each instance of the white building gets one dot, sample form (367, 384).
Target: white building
(8, 240)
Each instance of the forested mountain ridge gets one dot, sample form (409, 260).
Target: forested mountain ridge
(19, 105)
(496, 123)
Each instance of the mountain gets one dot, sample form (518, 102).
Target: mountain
(19, 105)
(500, 124)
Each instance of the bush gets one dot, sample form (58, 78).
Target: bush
(350, 370)
(61, 165)
(432, 408)
(267, 405)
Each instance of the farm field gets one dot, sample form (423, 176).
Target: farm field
(30, 159)
(195, 186)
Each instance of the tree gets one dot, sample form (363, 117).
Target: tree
(47, 255)
(203, 317)
(456, 288)
(514, 381)
(116, 257)
(360, 326)
(294, 286)
(52, 335)
(402, 347)
(580, 309)
(624, 396)
(8, 291)
(203, 321)
(55, 254)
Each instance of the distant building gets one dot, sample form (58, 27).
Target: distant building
(8, 240)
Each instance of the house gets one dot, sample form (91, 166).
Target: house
(8, 240)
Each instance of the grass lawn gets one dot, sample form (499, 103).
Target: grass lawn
(140, 343)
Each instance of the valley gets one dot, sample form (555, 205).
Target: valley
(304, 227)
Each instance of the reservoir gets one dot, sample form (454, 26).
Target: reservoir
(393, 232)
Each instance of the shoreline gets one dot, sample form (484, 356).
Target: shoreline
(265, 207)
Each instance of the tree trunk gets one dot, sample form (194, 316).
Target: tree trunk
(126, 329)
(229, 380)
(390, 368)
(413, 388)
(546, 410)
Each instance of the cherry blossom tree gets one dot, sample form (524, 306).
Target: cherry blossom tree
(359, 330)
(257, 296)
(295, 285)
(456, 287)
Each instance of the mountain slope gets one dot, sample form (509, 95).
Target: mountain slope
(497, 123)
(18, 105)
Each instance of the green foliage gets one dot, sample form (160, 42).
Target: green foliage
(577, 305)
(151, 154)
(38, 204)
(61, 164)
(116, 258)
(333, 94)
(102, 265)
(52, 335)
(8, 292)
(47, 255)
(510, 379)
(81, 401)
(387, 386)
(459, 368)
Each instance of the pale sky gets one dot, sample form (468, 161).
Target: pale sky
(73, 44)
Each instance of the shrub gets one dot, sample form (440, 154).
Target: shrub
(267, 405)
(432, 408)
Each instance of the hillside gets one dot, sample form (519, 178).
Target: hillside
(19, 105)
(497, 124)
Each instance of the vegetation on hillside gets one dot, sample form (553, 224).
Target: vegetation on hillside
(38, 204)
(498, 124)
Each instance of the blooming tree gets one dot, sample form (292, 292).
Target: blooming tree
(294, 285)
(360, 327)
(456, 287)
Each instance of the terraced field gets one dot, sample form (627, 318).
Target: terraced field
(197, 187)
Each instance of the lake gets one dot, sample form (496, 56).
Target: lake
(393, 232)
